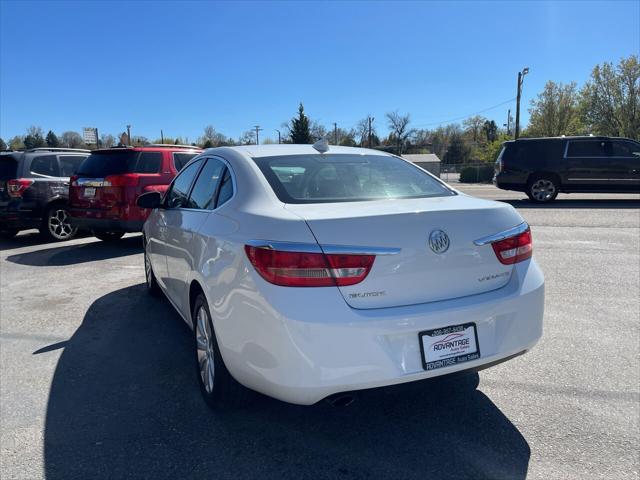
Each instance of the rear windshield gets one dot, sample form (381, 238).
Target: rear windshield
(347, 178)
(101, 164)
(8, 167)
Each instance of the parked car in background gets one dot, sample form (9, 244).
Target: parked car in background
(306, 275)
(104, 191)
(543, 167)
(34, 190)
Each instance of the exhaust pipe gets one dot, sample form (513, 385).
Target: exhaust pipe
(340, 400)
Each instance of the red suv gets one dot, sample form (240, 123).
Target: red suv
(103, 193)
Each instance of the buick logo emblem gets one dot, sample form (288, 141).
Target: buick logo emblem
(439, 241)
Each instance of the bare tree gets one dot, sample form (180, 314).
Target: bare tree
(362, 132)
(473, 125)
(399, 125)
(107, 140)
(71, 139)
(211, 138)
(317, 130)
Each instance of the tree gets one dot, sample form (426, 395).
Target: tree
(248, 138)
(107, 140)
(474, 125)
(52, 140)
(490, 130)
(3, 146)
(317, 131)
(458, 151)
(610, 100)
(16, 143)
(299, 131)
(211, 138)
(399, 129)
(34, 138)
(71, 139)
(362, 133)
(555, 111)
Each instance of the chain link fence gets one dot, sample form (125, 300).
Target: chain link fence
(476, 172)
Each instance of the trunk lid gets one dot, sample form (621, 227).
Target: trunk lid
(416, 274)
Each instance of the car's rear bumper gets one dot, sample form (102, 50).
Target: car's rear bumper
(286, 348)
(106, 224)
(16, 219)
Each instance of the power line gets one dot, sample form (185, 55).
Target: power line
(469, 115)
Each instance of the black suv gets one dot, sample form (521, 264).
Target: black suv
(34, 191)
(543, 167)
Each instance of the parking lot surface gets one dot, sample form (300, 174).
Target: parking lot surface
(97, 377)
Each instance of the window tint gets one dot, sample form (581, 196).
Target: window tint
(181, 159)
(204, 190)
(8, 167)
(45, 165)
(226, 189)
(347, 178)
(110, 162)
(69, 164)
(587, 148)
(625, 149)
(178, 195)
(149, 162)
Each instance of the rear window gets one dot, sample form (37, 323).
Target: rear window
(69, 164)
(181, 159)
(8, 167)
(347, 178)
(101, 164)
(46, 165)
(589, 148)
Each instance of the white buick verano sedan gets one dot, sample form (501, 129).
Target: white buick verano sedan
(308, 271)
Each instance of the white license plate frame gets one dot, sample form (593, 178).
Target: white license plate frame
(89, 192)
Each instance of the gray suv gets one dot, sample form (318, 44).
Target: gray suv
(34, 191)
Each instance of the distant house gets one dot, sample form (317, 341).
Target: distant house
(428, 161)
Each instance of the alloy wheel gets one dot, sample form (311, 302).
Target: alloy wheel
(59, 224)
(206, 353)
(543, 190)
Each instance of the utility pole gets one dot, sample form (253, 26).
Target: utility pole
(371, 119)
(257, 127)
(335, 133)
(129, 135)
(520, 81)
(278, 136)
(161, 137)
(509, 122)
(97, 139)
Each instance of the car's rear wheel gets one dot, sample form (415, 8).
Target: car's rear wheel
(218, 387)
(56, 224)
(7, 233)
(542, 189)
(108, 236)
(152, 284)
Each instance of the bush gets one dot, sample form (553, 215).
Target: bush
(477, 174)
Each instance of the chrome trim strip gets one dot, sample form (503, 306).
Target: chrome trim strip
(604, 179)
(329, 249)
(90, 182)
(496, 237)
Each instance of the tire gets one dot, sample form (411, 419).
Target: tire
(152, 284)
(108, 236)
(7, 233)
(542, 189)
(56, 224)
(219, 389)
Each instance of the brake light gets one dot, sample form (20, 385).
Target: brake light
(300, 269)
(514, 249)
(16, 187)
(125, 180)
(74, 180)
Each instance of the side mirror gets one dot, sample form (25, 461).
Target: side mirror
(149, 200)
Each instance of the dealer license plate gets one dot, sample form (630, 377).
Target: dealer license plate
(90, 192)
(448, 346)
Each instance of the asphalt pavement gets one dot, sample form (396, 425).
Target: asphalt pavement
(97, 378)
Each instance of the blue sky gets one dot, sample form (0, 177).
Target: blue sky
(182, 65)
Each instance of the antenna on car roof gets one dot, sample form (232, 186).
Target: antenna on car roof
(321, 145)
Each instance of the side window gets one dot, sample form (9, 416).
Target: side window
(204, 190)
(623, 148)
(46, 165)
(179, 192)
(69, 164)
(587, 148)
(181, 159)
(149, 162)
(226, 189)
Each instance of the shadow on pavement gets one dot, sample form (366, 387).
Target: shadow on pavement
(581, 204)
(73, 254)
(30, 238)
(124, 402)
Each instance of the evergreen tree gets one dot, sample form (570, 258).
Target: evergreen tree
(458, 151)
(299, 130)
(33, 141)
(3, 146)
(52, 140)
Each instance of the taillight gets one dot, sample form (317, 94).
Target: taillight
(301, 269)
(16, 187)
(74, 180)
(125, 180)
(514, 249)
